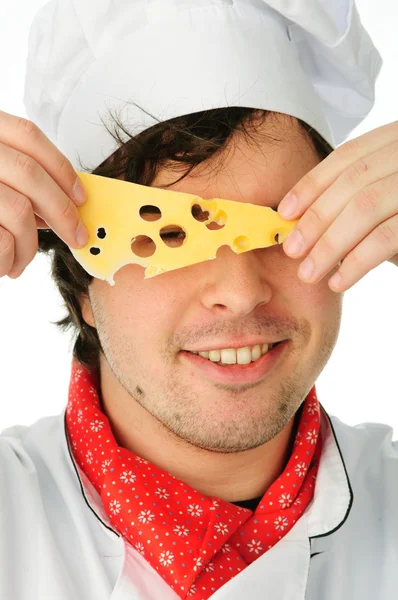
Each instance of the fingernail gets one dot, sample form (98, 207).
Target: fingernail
(294, 242)
(307, 269)
(79, 193)
(336, 280)
(82, 234)
(288, 206)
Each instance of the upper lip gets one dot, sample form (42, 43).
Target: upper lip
(233, 344)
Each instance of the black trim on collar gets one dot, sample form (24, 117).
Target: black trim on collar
(81, 485)
(349, 486)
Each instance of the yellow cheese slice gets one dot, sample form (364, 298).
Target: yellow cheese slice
(163, 230)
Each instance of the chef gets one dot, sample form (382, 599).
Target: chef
(196, 460)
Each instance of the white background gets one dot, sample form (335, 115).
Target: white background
(360, 382)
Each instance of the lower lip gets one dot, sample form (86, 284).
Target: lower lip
(236, 374)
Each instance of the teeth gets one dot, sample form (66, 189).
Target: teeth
(244, 356)
(228, 357)
(215, 355)
(240, 356)
(256, 352)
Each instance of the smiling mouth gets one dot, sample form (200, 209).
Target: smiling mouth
(237, 356)
(233, 373)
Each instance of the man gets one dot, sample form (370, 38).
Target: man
(196, 445)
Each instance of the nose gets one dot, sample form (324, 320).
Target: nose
(235, 284)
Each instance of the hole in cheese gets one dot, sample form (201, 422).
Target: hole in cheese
(199, 214)
(101, 233)
(150, 213)
(276, 238)
(219, 221)
(241, 243)
(213, 226)
(173, 236)
(143, 246)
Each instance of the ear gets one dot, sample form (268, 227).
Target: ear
(87, 313)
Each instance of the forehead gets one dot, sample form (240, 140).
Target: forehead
(259, 169)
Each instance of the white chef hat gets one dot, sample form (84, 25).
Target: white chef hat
(311, 59)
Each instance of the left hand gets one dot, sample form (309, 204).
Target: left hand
(349, 204)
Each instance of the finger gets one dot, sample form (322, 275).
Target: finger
(26, 176)
(40, 223)
(17, 218)
(315, 182)
(325, 210)
(380, 245)
(24, 136)
(6, 251)
(368, 209)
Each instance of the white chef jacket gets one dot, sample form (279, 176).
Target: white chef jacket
(57, 543)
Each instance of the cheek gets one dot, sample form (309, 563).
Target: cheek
(155, 303)
(313, 300)
(320, 305)
(286, 269)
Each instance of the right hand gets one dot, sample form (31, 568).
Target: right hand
(36, 192)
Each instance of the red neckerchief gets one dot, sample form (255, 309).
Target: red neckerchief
(196, 543)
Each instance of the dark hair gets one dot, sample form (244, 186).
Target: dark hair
(181, 143)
